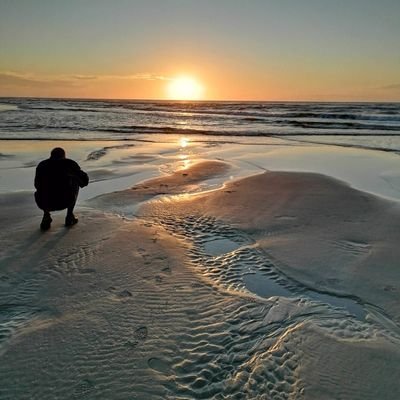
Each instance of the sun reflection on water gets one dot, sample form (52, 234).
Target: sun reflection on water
(183, 142)
(184, 155)
(185, 161)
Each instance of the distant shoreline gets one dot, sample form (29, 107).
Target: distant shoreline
(94, 99)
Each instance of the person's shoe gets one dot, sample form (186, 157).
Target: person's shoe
(46, 222)
(70, 220)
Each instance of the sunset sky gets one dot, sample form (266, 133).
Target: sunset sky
(226, 49)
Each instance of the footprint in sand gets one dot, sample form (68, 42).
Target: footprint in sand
(389, 288)
(125, 293)
(166, 270)
(87, 271)
(158, 365)
(83, 389)
(140, 335)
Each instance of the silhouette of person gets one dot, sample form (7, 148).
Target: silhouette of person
(57, 183)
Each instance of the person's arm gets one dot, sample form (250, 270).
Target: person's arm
(81, 177)
(38, 177)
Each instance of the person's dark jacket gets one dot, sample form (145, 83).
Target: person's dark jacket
(57, 183)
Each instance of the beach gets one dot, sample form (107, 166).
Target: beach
(230, 173)
(203, 270)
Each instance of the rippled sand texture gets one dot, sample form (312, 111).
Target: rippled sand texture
(277, 286)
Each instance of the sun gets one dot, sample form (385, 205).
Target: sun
(184, 88)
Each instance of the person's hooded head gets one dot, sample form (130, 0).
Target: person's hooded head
(58, 153)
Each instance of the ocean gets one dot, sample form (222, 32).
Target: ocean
(365, 125)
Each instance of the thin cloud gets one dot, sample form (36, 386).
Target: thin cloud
(145, 76)
(11, 78)
(395, 86)
(15, 79)
(84, 77)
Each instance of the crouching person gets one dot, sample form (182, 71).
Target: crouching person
(57, 183)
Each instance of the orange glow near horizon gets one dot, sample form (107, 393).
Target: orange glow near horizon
(185, 88)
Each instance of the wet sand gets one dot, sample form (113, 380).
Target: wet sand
(199, 279)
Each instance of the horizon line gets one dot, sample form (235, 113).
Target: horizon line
(195, 101)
